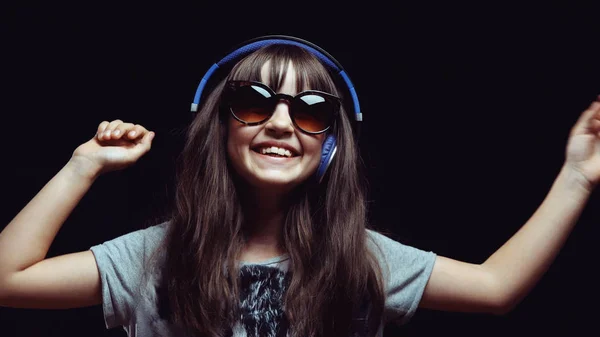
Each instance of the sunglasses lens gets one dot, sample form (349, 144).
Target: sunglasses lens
(313, 113)
(251, 104)
(254, 103)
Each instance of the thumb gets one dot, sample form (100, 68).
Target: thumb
(145, 144)
(589, 118)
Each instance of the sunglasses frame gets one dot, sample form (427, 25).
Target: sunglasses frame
(234, 84)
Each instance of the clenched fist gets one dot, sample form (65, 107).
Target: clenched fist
(116, 145)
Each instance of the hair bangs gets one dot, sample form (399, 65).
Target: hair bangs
(310, 73)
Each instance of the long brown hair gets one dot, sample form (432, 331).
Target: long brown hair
(333, 276)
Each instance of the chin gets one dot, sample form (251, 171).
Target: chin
(276, 182)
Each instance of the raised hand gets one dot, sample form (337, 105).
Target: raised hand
(116, 145)
(583, 147)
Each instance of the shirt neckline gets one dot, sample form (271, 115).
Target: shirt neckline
(272, 260)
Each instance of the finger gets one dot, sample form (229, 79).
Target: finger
(585, 120)
(137, 132)
(595, 125)
(145, 144)
(148, 137)
(120, 130)
(101, 127)
(591, 112)
(106, 135)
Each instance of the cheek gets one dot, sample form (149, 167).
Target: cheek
(236, 133)
(313, 146)
(236, 137)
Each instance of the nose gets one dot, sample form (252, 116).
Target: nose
(281, 121)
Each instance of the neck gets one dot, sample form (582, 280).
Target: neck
(264, 218)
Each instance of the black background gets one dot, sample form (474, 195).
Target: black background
(467, 111)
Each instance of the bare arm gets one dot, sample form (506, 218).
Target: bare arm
(509, 274)
(27, 279)
(27, 238)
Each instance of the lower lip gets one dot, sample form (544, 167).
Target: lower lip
(274, 160)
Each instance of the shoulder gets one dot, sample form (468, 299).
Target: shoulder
(384, 242)
(138, 245)
(155, 233)
(390, 252)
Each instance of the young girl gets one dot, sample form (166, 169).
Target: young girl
(268, 233)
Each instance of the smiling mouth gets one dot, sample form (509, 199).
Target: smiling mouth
(276, 152)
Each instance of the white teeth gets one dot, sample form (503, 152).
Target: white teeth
(276, 150)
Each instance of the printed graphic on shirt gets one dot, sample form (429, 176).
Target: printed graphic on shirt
(261, 310)
(261, 302)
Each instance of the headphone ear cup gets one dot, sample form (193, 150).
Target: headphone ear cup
(327, 152)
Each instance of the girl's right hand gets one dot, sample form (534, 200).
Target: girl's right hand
(115, 146)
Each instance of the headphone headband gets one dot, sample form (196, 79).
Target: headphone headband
(257, 43)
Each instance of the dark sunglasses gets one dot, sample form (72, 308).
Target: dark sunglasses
(253, 103)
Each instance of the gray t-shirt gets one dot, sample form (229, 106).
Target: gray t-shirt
(129, 297)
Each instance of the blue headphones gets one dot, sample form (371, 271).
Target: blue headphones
(329, 145)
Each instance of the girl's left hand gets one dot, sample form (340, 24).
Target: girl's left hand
(583, 146)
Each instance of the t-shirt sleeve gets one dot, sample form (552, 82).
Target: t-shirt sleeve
(121, 263)
(406, 271)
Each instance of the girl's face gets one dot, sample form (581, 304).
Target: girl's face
(274, 154)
